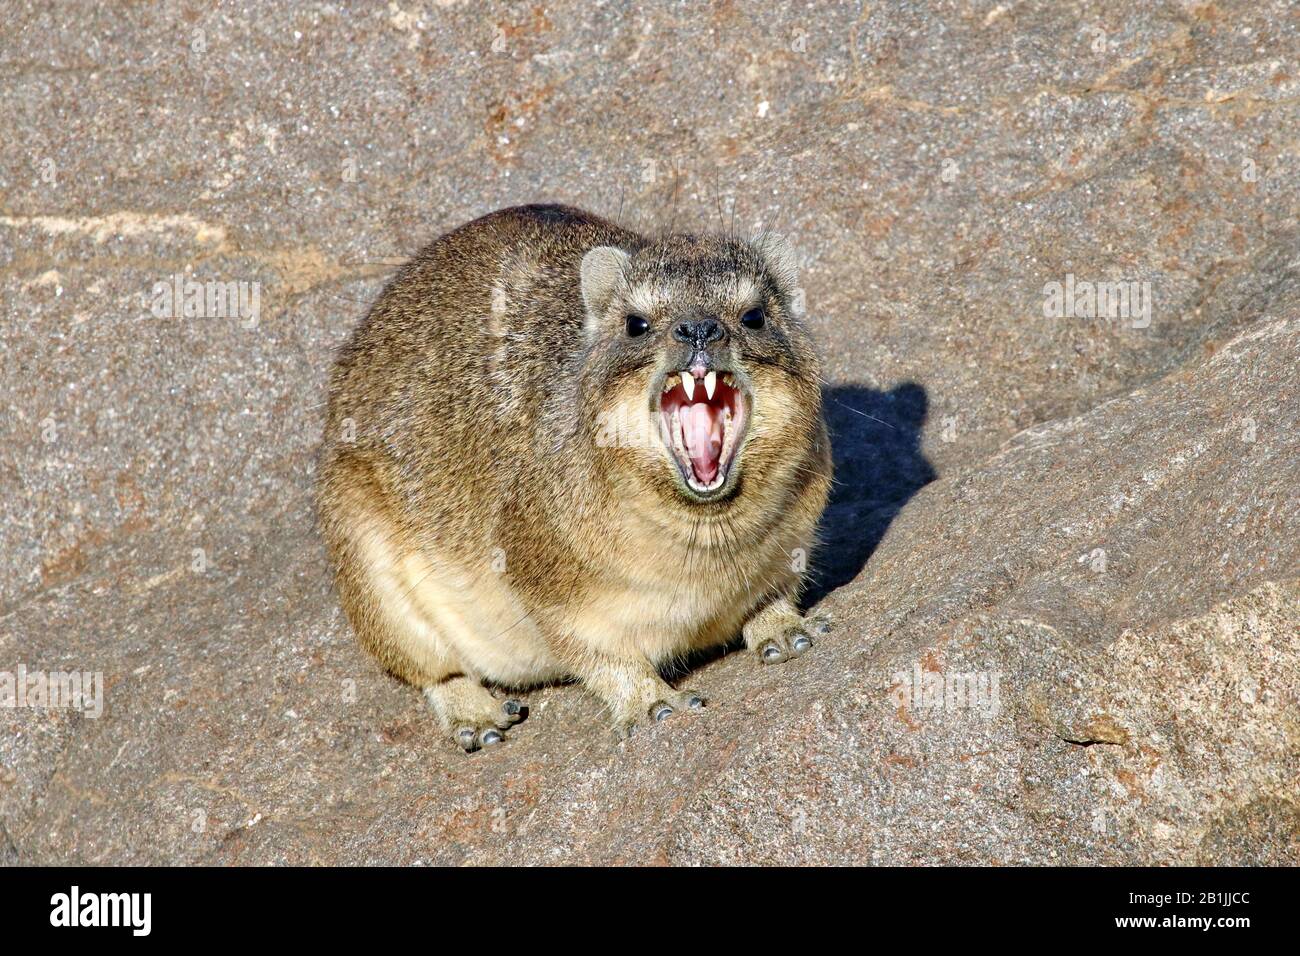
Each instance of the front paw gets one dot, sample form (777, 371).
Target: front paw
(666, 704)
(790, 638)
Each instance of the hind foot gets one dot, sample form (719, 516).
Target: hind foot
(468, 711)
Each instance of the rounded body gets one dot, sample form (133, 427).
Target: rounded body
(490, 515)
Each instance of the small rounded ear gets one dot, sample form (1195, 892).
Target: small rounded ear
(602, 271)
(779, 256)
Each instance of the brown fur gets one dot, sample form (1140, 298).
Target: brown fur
(482, 531)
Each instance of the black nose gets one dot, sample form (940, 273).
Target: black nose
(699, 333)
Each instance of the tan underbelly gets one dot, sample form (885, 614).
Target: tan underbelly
(663, 622)
(483, 622)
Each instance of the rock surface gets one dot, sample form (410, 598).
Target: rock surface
(1064, 556)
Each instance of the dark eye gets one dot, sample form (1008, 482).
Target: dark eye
(753, 319)
(637, 325)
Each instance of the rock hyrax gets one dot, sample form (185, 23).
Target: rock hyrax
(558, 449)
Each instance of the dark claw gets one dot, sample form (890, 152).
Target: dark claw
(801, 644)
(663, 713)
(771, 653)
(492, 737)
(819, 626)
(695, 702)
(466, 739)
(512, 707)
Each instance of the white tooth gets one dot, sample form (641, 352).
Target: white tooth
(728, 380)
(710, 383)
(688, 385)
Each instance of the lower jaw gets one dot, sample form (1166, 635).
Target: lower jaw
(699, 491)
(707, 488)
(719, 486)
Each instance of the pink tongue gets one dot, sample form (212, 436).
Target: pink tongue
(702, 431)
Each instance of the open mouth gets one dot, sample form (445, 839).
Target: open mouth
(702, 421)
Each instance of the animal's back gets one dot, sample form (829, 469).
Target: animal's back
(445, 378)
